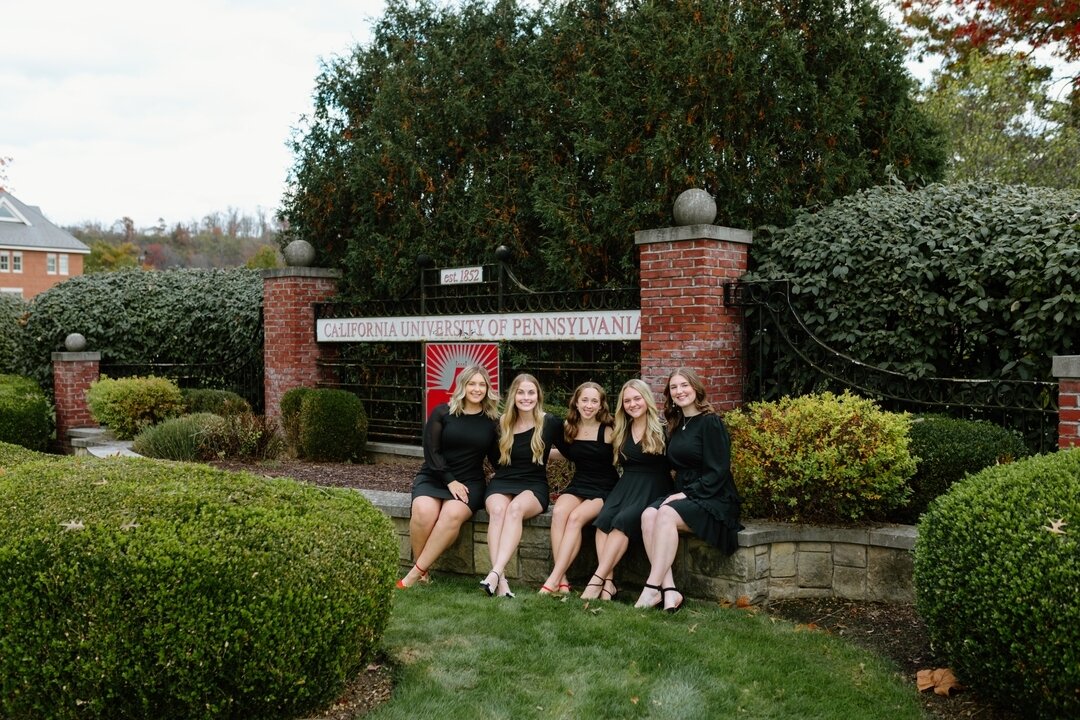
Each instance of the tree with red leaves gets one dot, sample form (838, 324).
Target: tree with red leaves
(954, 27)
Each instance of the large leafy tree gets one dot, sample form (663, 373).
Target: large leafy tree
(1004, 123)
(560, 129)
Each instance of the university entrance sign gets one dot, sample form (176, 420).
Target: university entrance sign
(589, 325)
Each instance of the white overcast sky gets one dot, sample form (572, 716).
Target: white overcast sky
(174, 110)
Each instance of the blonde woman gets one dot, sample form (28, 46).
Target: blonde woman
(638, 442)
(449, 487)
(519, 489)
(586, 442)
(705, 503)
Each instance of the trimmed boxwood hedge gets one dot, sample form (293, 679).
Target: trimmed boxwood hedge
(333, 426)
(997, 580)
(138, 588)
(26, 415)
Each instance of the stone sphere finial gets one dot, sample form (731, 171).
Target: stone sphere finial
(299, 253)
(694, 207)
(503, 254)
(75, 342)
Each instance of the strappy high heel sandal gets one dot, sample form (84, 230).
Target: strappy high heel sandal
(593, 584)
(659, 601)
(422, 578)
(487, 586)
(676, 607)
(610, 593)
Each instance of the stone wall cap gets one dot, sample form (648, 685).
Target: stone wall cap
(694, 232)
(1066, 366)
(385, 448)
(83, 356)
(301, 272)
(764, 533)
(901, 537)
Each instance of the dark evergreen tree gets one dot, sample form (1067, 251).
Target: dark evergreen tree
(560, 130)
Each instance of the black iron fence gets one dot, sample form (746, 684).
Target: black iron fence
(389, 377)
(785, 358)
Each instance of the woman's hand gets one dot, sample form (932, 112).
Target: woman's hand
(458, 490)
(672, 498)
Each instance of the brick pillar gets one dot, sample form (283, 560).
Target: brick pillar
(73, 372)
(684, 321)
(290, 353)
(1067, 370)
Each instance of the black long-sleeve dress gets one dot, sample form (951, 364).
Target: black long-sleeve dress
(644, 478)
(522, 473)
(454, 449)
(700, 452)
(595, 473)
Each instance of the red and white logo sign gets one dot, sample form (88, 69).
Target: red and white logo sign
(445, 361)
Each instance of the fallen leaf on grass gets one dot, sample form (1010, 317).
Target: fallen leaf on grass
(743, 602)
(941, 680)
(807, 627)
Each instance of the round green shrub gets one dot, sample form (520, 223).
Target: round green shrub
(218, 402)
(179, 438)
(128, 405)
(946, 449)
(138, 588)
(997, 580)
(26, 415)
(333, 426)
(290, 404)
(819, 458)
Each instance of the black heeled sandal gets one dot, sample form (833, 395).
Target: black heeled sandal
(659, 601)
(674, 608)
(599, 585)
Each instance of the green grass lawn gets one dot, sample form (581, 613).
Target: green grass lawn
(461, 654)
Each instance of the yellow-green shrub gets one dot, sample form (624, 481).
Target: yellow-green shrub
(819, 458)
(128, 405)
(140, 588)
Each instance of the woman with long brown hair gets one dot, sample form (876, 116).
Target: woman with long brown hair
(705, 502)
(586, 442)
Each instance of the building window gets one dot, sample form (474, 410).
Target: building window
(16, 262)
(5, 261)
(50, 263)
(63, 258)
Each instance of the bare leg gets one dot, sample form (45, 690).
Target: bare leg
(425, 513)
(661, 551)
(584, 512)
(521, 508)
(560, 513)
(453, 515)
(614, 547)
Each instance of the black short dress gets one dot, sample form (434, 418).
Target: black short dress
(644, 478)
(700, 453)
(522, 474)
(595, 473)
(454, 449)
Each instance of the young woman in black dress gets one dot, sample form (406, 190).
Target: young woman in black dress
(450, 485)
(638, 449)
(705, 501)
(585, 441)
(519, 489)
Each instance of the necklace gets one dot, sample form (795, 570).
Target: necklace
(686, 420)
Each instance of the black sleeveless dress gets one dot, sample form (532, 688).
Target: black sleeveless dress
(595, 473)
(522, 474)
(644, 479)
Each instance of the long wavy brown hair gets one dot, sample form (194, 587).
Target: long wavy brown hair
(573, 417)
(673, 413)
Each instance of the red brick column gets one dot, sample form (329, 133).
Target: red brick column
(73, 372)
(1067, 371)
(684, 321)
(290, 353)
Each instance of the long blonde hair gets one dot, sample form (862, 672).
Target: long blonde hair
(652, 441)
(510, 417)
(573, 417)
(672, 412)
(490, 405)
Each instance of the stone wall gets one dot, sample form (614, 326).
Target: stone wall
(774, 561)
